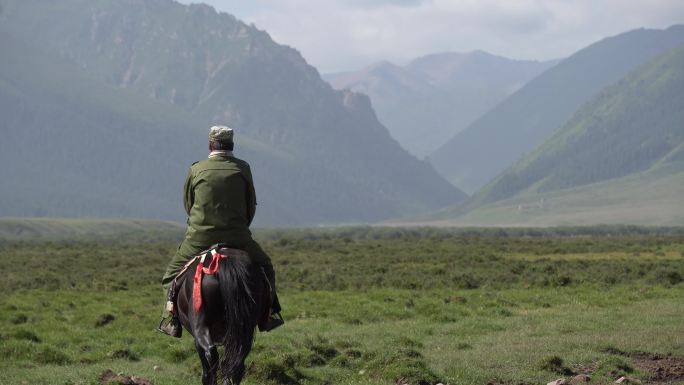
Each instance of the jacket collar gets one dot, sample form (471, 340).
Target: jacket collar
(216, 153)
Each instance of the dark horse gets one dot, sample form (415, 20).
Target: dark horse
(233, 302)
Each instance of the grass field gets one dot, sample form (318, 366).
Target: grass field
(367, 306)
(51, 229)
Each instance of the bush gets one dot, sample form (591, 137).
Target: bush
(26, 335)
(50, 355)
(555, 364)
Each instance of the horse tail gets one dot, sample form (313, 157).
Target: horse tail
(239, 280)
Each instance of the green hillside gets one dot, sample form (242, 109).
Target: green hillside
(620, 159)
(122, 94)
(653, 198)
(630, 127)
(527, 118)
(79, 148)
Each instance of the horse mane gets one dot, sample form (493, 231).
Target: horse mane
(242, 293)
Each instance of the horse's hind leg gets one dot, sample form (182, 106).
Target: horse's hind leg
(209, 357)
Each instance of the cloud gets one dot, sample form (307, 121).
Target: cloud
(337, 35)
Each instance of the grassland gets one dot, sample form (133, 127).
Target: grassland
(88, 229)
(366, 306)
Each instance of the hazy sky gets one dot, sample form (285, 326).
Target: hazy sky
(337, 35)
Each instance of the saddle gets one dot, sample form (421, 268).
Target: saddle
(208, 263)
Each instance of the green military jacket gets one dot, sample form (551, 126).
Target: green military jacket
(220, 201)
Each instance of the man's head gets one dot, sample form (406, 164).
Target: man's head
(221, 138)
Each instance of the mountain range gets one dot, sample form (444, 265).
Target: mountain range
(429, 100)
(106, 103)
(619, 159)
(628, 128)
(523, 121)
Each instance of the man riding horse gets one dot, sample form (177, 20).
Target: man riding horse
(220, 203)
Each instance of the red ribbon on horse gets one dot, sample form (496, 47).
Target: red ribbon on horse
(216, 257)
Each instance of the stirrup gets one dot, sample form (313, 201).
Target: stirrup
(171, 327)
(272, 322)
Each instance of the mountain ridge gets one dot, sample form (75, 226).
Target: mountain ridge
(619, 157)
(318, 155)
(525, 119)
(642, 114)
(431, 98)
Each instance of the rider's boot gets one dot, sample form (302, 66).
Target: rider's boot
(170, 324)
(274, 319)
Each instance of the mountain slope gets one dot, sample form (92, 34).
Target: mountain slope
(619, 159)
(79, 148)
(426, 102)
(528, 117)
(319, 156)
(628, 128)
(652, 197)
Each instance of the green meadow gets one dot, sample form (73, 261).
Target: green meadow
(365, 306)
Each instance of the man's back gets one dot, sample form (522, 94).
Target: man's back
(219, 200)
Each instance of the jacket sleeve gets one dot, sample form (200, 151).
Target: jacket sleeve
(188, 193)
(250, 195)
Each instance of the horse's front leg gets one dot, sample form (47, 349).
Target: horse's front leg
(239, 373)
(209, 358)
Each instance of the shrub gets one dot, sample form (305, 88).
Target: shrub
(555, 364)
(26, 335)
(50, 355)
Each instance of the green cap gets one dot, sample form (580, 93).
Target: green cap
(221, 134)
